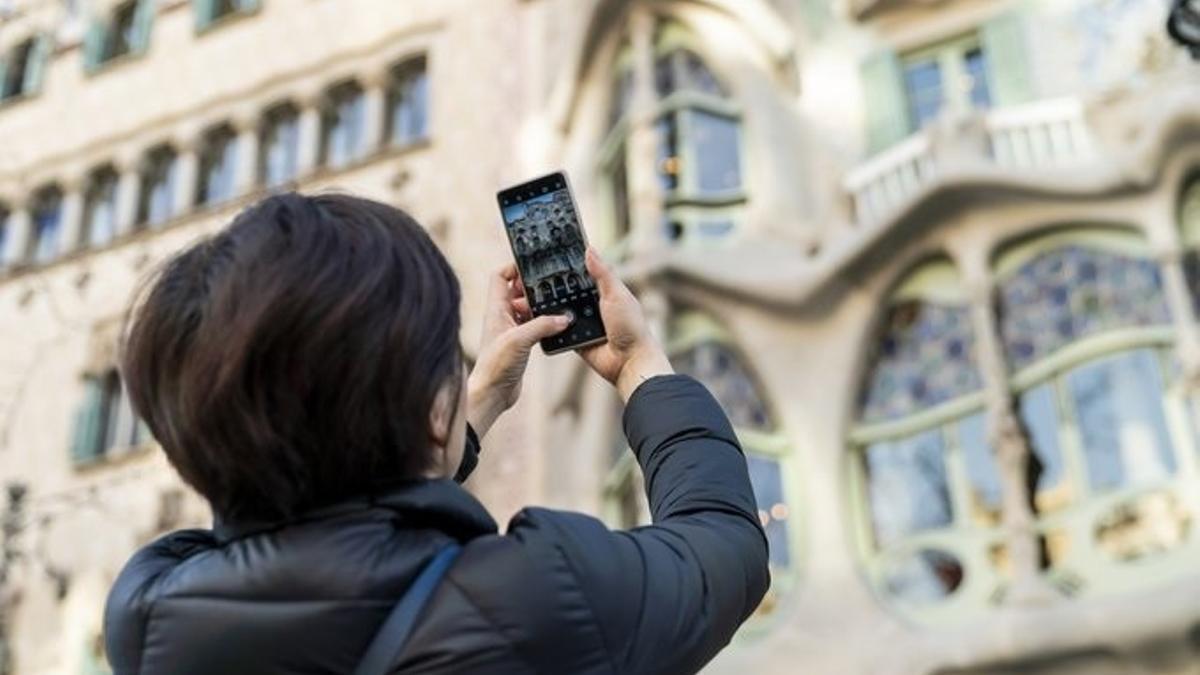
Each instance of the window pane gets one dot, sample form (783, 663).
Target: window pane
(664, 75)
(158, 187)
(717, 154)
(1073, 292)
(925, 356)
(281, 145)
(699, 77)
(923, 84)
(975, 67)
(410, 101)
(1118, 402)
(714, 229)
(773, 510)
(1039, 413)
(982, 471)
(47, 219)
(925, 577)
(344, 127)
(668, 152)
(100, 209)
(906, 484)
(218, 164)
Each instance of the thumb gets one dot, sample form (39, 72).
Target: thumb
(534, 330)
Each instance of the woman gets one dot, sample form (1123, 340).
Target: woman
(302, 371)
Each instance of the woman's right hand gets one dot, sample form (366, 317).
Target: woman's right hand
(632, 354)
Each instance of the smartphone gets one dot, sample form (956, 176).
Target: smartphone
(547, 240)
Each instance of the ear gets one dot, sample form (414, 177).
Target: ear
(441, 416)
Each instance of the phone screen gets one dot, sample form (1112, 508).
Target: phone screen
(548, 243)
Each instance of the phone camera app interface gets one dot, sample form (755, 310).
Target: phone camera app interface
(549, 247)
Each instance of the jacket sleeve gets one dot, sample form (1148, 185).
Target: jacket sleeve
(667, 597)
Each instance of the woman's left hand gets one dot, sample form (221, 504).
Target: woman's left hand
(509, 335)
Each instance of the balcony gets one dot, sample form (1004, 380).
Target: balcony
(1044, 135)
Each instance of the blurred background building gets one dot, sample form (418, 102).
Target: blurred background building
(938, 258)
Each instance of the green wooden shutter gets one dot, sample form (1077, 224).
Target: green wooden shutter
(248, 6)
(85, 444)
(36, 66)
(1006, 46)
(3, 75)
(93, 45)
(885, 100)
(143, 22)
(204, 13)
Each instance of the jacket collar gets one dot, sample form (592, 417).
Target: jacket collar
(440, 504)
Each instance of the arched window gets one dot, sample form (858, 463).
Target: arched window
(698, 127)
(701, 348)
(1085, 326)
(100, 208)
(921, 468)
(156, 196)
(46, 219)
(343, 125)
(218, 162)
(279, 147)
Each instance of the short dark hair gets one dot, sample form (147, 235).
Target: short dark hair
(292, 359)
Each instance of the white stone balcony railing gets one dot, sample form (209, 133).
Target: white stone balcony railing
(1041, 135)
(1045, 133)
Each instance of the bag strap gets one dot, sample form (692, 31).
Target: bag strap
(391, 637)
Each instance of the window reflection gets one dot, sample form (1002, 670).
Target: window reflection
(100, 208)
(718, 167)
(279, 160)
(982, 471)
(1039, 413)
(344, 119)
(1118, 402)
(773, 510)
(907, 487)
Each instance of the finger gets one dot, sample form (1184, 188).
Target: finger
(540, 328)
(606, 280)
(516, 289)
(520, 307)
(498, 287)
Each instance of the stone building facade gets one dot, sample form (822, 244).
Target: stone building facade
(939, 260)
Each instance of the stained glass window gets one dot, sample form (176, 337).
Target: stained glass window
(907, 486)
(1073, 292)
(924, 357)
(720, 369)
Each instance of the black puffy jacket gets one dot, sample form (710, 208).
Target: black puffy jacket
(559, 593)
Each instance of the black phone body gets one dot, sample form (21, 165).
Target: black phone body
(547, 240)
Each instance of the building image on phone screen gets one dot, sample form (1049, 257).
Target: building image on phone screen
(549, 248)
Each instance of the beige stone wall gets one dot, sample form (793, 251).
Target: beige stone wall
(520, 87)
